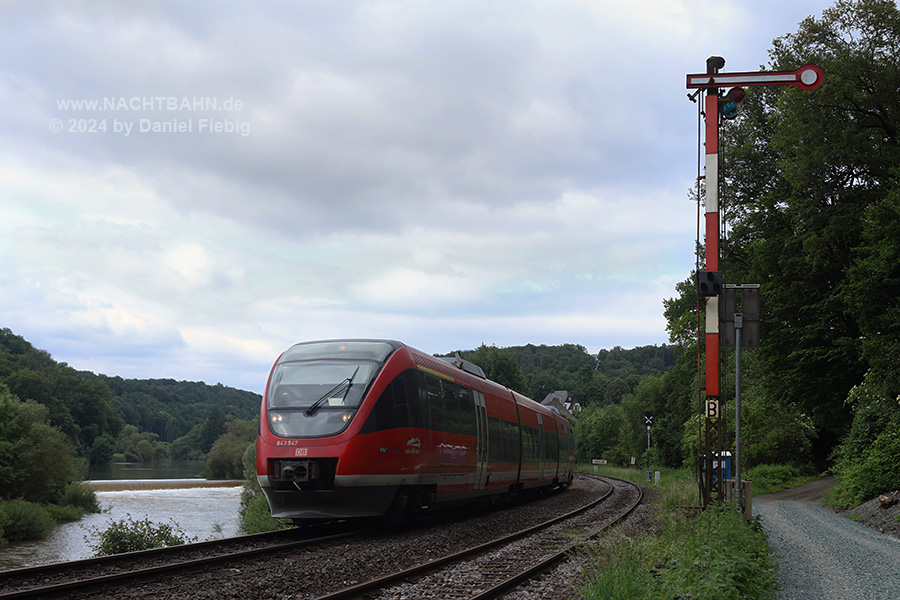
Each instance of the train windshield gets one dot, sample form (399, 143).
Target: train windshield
(314, 398)
(315, 391)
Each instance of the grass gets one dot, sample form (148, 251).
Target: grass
(768, 479)
(716, 555)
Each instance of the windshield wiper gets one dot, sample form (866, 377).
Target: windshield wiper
(327, 395)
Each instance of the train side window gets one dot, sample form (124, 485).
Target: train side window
(532, 441)
(433, 396)
(414, 403)
(464, 415)
(397, 406)
(448, 394)
(504, 436)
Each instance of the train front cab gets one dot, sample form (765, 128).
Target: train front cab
(312, 462)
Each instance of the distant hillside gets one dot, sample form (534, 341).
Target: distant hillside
(603, 378)
(172, 408)
(85, 405)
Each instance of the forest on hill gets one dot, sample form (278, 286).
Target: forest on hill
(54, 420)
(593, 379)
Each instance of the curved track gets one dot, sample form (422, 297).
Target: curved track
(492, 569)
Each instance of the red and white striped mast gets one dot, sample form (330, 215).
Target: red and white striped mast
(711, 280)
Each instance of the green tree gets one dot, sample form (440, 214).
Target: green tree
(139, 446)
(212, 429)
(805, 172)
(226, 456)
(36, 459)
(102, 449)
(499, 365)
(597, 434)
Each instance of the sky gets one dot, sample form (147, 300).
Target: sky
(189, 188)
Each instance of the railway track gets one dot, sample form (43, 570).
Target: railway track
(211, 569)
(490, 570)
(62, 579)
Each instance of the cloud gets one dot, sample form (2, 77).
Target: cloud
(443, 173)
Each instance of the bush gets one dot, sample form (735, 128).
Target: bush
(717, 555)
(4, 519)
(102, 450)
(26, 521)
(875, 472)
(254, 512)
(867, 462)
(128, 535)
(80, 496)
(64, 513)
(771, 478)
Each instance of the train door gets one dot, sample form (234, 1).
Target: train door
(541, 443)
(481, 428)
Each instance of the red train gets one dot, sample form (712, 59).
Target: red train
(358, 428)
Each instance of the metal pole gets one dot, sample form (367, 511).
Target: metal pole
(713, 484)
(738, 326)
(648, 454)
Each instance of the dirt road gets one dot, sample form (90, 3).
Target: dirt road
(825, 555)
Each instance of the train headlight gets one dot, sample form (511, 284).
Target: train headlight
(276, 418)
(346, 416)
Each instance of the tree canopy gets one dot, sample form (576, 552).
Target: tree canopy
(812, 199)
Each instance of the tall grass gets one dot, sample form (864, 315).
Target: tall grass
(716, 555)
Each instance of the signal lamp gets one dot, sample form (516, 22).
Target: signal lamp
(728, 104)
(709, 283)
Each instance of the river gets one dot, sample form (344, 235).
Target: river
(201, 512)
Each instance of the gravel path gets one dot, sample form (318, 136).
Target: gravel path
(825, 555)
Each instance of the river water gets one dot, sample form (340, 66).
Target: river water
(200, 512)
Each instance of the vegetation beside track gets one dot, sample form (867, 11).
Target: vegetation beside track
(715, 554)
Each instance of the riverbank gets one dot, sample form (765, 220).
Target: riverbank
(203, 513)
(121, 485)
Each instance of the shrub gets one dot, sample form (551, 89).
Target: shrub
(4, 519)
(254, 510)
(80, 496)
(26, 521)
(868, 460)
(102, 450)
(128, 535)
(877, 471)
(64, 513)
(771, 478)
